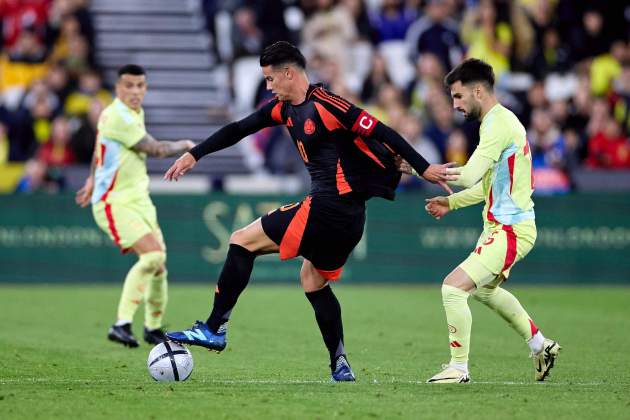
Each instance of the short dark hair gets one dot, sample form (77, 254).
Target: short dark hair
(282, 52)
(469, 71)
(133, 69)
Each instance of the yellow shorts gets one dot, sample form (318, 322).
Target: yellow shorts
(128, 222)
(499, 247)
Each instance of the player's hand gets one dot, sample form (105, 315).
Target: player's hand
(83, 196)
(182, 165)
(440, 174)
(402, 165)
(437, 207)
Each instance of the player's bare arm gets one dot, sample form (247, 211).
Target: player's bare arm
(161, 149)
(82, 197)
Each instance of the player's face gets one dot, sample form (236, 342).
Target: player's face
(278, 81)
(131, 90)
(465, 100)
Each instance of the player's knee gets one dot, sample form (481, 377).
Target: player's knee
(153, 262)
(241, 237)
(451, 294)
(483, 294)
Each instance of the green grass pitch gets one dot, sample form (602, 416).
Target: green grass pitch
(57, 363)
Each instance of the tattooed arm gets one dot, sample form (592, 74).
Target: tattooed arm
(161, 149)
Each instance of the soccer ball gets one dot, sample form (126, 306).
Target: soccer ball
(169, 361)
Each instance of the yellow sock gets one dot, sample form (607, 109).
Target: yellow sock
(155, 302)
(509, 308)
(459, 322)
(136, 283)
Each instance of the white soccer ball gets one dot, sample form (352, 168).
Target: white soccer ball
(169, 361)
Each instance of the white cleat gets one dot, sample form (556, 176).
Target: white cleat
(450, 375)
(544, 360)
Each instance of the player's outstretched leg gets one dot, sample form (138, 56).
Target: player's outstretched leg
(543, 350)
(232, 281)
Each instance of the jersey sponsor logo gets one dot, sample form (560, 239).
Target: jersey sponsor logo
(195, 334)
(309, 126)
(364, 124)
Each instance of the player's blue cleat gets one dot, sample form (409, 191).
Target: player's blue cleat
(342, 372)
(200, 335)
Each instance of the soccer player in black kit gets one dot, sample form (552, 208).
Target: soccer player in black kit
(350, 156)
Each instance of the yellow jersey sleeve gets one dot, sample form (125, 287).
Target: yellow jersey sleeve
(122, 124)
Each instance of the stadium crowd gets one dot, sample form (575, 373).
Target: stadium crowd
(562, 66)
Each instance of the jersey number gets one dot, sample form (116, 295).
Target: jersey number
(302, 150)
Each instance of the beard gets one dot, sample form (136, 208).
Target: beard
(474, 114)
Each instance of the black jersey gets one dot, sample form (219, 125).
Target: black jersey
(333, 139)
(347, 151)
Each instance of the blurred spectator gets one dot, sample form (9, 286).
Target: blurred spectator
(377, 77)
(4, 144)
(90, 87)
(68, 30)
(553, 55)
(247, 38)
(41, 105)
(60, 9)
(441, 125)
(78, 60)
(44, 171)
(429, 78)
(487, 38)
(392, 20)
(436, 33)
(588, 38)
(56, 151)
(607, 67)
(83, 139)
(411, 130)
(358, 11)
(621, 97)
(457, 148)
(24, 63)
(388, 105)
(548, 154)
(20, 15)
(59, 81)
(609, 148)
(598, 117)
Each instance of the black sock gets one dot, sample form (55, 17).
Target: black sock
(328, 316)
(232, 281)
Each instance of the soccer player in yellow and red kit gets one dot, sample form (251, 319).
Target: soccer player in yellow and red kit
(499, 173)
(350, 157)
(118, 189)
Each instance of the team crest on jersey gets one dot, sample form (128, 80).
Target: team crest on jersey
(309, 126)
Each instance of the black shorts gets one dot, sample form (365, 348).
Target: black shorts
(324, 230)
